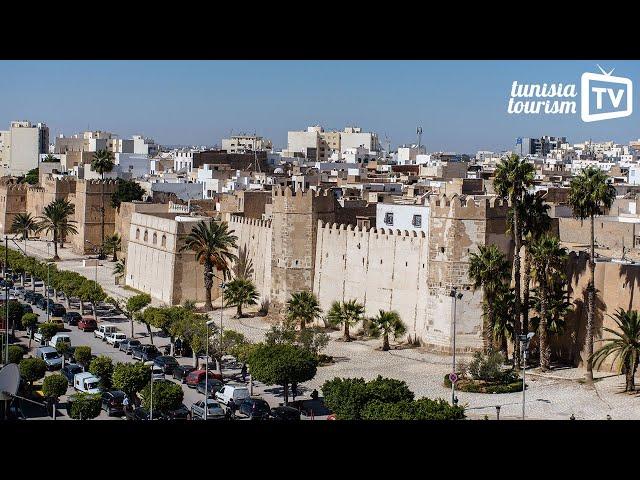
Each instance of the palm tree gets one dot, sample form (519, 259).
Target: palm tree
(548, 260)
(558, 307)
(243, 267)
(504, 319)
(67, 209)
(488, 269)
(346, 314)
(102, 163)
(385, 323)
(625, 346)
(303, 307)
(112, 244)
(239, 293)
(589, 195)
(212, 243)
(512, 177)
(24, 224)
(535, 221)
(50, 159)
(119, 270)
(54, 220)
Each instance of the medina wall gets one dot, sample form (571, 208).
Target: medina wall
(255, 235)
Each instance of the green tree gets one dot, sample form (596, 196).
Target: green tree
(32, 176)
(102, 163)
(112, 245)
(50, 159)
(590, 194)
(558, 307)
(386, 323)
(67, 209)
(53, 387)
(55, 220)
(135, 305)
(535, 221)
(240, 293)
(15, 314)
(167, 396)
(131, 378)
(32, 369)
(548, 260)
(512, 177)
(84, 406)
(82, 354)
(281, 365)
(90, 291)
(488, 269)
(503, 328)
(345, 314)
(243, 266)
(48, 330)
(421, 409)
(212, 244)
(624, 345)
(119, 270)
(126, 191)
(102, 367)
(24, 224)
(303, 307)
(15, 354)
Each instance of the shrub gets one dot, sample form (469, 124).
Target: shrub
(54, 386)
(48, 330)
(82, 354)
(130, 377)
(421, 409)
(15, 354)
(487, 367)
(32, 369)
(84, 406)
(166, 396)
(313, 339)
(102, 367)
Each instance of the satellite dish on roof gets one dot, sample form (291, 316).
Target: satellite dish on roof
(9, 381)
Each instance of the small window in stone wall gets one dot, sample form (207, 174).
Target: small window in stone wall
(163, 242)
(155, 238)
(441, 249)
(137, 234)
(146, 236)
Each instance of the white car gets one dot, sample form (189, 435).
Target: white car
(86, 382)
(237, 392)
(115, 338)
(104, 330)
(214, 410)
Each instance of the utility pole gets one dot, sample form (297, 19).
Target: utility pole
(6, 299)
(456, 296)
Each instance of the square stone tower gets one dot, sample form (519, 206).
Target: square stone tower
(295, 216)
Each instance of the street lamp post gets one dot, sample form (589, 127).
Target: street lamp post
(222, 287)
(524, 345)
(456, 296)
(6, 299)
(151, 396)
(206, 373)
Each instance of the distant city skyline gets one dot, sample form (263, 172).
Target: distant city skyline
(460, 105)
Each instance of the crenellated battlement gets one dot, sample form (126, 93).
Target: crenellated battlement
(237, 219)
(96, 186)
(467, 206)
(342, 229)
(279, 191)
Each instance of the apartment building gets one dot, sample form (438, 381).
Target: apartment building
(21, 147)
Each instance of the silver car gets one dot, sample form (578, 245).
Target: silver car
(50, 356)
(214, 410)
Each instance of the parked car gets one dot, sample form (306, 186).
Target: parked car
(156, 371)
(285, 413)
(86, 382)
(87, 324)
(50, 356)
(237, 392)
(16, 291)
(72, 318)
(112, 402)
(43, 302)
(181, 371)
(70, 370)
(126, 345)
(115, 338)
(137, 414)
(103, 330)
(254, 409)
(213, 385)
(166, 362)
(26, 308)
(58, 321)
(59, 338)
(144, 352)
(35, 297)
(28, 295)
(214, 410)
(182, 413)
(57, 309)
(197, 376)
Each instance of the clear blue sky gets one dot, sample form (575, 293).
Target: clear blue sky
(461, 105)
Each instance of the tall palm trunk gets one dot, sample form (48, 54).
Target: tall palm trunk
(542, 329)
(516, 282)
(347, 337)
(55, 245)
(525, 290)
(102, 217)
(630, 373)
(208, 285)
(591, 290)
(239, 310)
(385, 341)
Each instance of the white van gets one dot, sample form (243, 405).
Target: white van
(59, 338)
(86, 382)
(237, 392)
(103, 331)
(157, 372)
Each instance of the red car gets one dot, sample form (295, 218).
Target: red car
(87, 324)
(197, 376)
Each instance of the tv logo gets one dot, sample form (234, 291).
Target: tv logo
(604, 96)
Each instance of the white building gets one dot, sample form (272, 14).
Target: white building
(183, 159)
(245, 143)
(407, 155)
(136, 165)
(144, 146)
(21, 146)
(400, 216)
